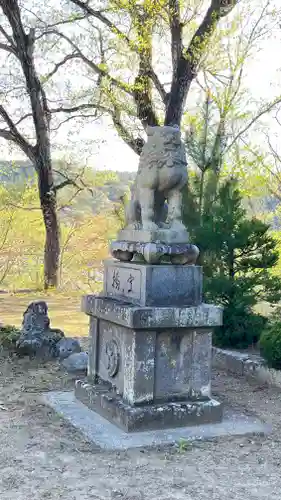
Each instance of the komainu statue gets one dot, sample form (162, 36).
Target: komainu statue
(154, 230)
(161, 176)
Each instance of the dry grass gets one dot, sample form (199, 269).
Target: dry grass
(64, 311)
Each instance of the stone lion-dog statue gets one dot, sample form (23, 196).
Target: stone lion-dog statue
(156, 196)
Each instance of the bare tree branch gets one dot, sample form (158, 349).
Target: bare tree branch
(6, 134)
(101, 17)
(73, 117)
(68, 181)
(245, 129)
(6, 232)
(176, 33)
(275, 153)
(188, 60)
(58, 65)
(94, 67)
(142, 86)
(79, 107)
(14, 135)
(8, 48)
(122, 36)
(158, 85)
(7, 37)
(135, 144)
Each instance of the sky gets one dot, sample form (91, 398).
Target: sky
(98, 145)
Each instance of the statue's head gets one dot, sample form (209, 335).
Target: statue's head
(163, 148)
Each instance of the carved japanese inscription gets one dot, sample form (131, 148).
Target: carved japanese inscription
(123, 282)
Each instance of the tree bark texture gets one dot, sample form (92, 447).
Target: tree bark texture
(48, 205)
(22, 46)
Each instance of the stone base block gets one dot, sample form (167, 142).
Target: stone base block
(146, 417)
(153, 285)
(151, 355)
(108, 436)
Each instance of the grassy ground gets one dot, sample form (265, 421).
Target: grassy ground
(64, 311)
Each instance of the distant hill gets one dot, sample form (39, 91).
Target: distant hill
(105, 187)
(16, 171)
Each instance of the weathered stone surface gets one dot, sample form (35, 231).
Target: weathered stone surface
(201, 360)
(108, 436)
(176, 253)
(183, 364)
(136, 317)
(67, 346)
(252, 366)
(161, 235)
(123, 358)
(151, 336)
(151, 365)
(77, 362)
(153, 285)
(37, 338)
(146, 417)
(233, 361)
(161, 176)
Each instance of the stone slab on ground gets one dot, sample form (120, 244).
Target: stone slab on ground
(106, 435)
(249, 365)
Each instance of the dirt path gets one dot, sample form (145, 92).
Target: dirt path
(42, 457)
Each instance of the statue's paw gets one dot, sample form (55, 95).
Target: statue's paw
(150, 226)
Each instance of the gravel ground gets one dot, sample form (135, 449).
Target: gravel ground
(42, 457)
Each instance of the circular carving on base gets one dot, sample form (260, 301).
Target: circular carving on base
(113, 357)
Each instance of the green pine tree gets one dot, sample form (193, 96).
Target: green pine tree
(238, 255)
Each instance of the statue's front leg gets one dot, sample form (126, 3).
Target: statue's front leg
(146, 200)
(175, 210)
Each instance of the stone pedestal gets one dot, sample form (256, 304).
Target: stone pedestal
(150, 334)
(153, 285)
(150, 348)
(153, 247)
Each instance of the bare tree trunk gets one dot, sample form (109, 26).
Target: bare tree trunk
(52, 246)
(48, 203)
(21, 45)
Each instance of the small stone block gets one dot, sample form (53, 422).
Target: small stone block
(146, 417)
(153, 285)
